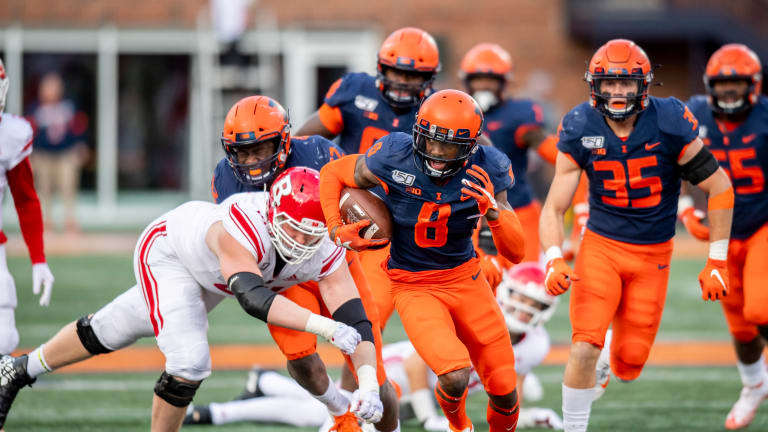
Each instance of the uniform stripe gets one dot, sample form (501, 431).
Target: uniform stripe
(147, 279)
(329, 263)
(246, 227)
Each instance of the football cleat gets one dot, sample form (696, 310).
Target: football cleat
(533, 391)
(603, 369)
(13, 376)
(743, 411)
(252, 389)
(345, 423)
(198, 415)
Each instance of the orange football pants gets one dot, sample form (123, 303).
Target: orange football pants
(529, 219)
(378, 282)
(624, 285)
(453, 321)
(296, 344)
(746, 305)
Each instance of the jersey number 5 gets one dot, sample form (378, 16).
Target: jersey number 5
(634, 176)
(432, 233)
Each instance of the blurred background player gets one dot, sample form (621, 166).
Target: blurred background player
(15, 171)
(733, 120)
(182, 262)
(635, 149)
(449, 314)
(253, 160)
(526, 307)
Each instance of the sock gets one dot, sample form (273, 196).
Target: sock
(752, 374)
(274, 384)
(454, 408)
(501, 419)
(423, 407)
(270, 409)
(576, 406)
(36, 364)
(336, 402)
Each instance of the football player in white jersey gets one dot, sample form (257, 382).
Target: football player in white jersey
(16, 172)
(275, 398)
(249, 247)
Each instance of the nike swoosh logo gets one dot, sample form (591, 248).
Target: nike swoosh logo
(453, 411)
(748, 139)
(464, 197)
(716, 274)
(663, 266)
(652, 146)
(475, 276)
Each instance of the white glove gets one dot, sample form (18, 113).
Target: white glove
(345, 338)
(41, 275)
(436, 423)
(367, 406)
(539, 418)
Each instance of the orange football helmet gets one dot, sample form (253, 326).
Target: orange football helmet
(256, 121)
(410, 50)
(734, 62)
(619, 59)
(450, 117)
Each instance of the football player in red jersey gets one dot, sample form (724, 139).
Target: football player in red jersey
(734, 125)
(635, 149)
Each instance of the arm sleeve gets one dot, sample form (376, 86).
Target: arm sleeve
(27, 204)
(508, 236)
(548, 149)
(334, 177)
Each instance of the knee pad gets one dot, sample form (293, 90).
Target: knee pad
(88, 337)
(175, 392)
(628, 360)
(501, 381)
(9, 336)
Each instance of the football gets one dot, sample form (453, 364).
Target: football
(360, 204)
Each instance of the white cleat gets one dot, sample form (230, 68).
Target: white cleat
(743, 411)
(603, 368)
(532, 388)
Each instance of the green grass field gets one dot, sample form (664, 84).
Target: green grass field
(664, 398)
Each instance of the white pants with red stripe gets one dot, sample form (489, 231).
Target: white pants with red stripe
(167, 302)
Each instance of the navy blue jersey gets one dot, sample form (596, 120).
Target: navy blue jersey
(366, 116)
(506, 124)
(743, 154)
(433, 224)
(634, 185)
(308, 151)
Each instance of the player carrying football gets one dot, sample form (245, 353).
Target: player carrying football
(635, 149)
(437, 182)
(734, 125)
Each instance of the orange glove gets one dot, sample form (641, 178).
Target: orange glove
(348, 236)
(491, 269)
(691, 218)
(559, 276)
(482, 194)
(714, 280)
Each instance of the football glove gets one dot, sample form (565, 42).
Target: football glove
(559, 276)
(367, 406)
(482, 193)
(348, 237)
(714, 280)
(42, 278)
(691, 218)
(492, 270)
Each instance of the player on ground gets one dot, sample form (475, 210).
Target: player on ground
(734, 125)
(250, 247)
(16, 172)
(526, 307)
(635, 149)
(437, 183)
(253, 161)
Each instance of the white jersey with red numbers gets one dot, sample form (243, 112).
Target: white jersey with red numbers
(244, 217)
(530, 351)
(15, 146)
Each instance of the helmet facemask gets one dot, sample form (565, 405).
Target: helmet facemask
(261, 172)
(283, 228)
(423, 159)
(525, 305)
(633, 102)
(400, 94)
(743, 101)
(486, 98)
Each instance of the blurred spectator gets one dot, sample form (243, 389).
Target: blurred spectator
(59, 149)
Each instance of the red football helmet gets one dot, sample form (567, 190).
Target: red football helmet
(734, 62)
(410, 50)
(619, 59)
(523, 298)
(4, 84)
(296, 221)
(451, 117)
(256, 122)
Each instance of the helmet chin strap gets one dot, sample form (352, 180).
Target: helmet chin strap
(486, 99)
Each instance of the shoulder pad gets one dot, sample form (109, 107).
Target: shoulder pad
(675, 118)
(350, 85)
(572, 125)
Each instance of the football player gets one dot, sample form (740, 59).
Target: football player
(734, 125)
(437, 182)
(251, 164)
(16, 172)
(250, 247)
(635, 149)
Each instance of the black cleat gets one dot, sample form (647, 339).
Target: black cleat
(252, 388)
(13, 376)
(198, 415)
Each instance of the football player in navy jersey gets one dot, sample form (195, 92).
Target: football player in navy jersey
(436, 183)
(733, 120)
(251, 164)
(635, 149)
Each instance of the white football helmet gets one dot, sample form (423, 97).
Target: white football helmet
(4, 84)
(294, 212)
(523, 298)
